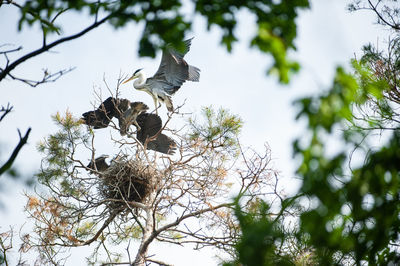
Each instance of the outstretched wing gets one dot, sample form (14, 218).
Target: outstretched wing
(150, 125)
(101, 117)
(174, 70)
(163, 144)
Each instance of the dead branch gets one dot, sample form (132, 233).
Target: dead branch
(5, 110)
(47, 77)
(46, 47)
(22, 141)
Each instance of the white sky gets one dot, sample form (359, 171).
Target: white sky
(327, 36)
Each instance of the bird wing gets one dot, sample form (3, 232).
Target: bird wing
(101, 117)
(163, 144)
(150, 125)
(118, 106)
(95, 119)
(124, 121)
(139, 107)
(108, 107)
(173, 70)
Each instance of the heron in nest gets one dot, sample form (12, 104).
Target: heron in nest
(99, 164)
(171, 74)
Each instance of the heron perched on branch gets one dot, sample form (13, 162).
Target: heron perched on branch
(171, 74)
(110, 108)
(129, 117)
(149, 126)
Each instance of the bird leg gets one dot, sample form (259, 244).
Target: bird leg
(138, 128)
(134, 121)
(156, 104)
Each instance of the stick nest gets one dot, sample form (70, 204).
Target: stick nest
(126, 180)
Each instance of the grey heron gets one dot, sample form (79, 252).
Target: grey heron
(171, 74)
(148, 125)
(101, 117)
(99, 164)
(129, 117)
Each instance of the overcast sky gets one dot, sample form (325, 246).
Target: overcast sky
(328, 36)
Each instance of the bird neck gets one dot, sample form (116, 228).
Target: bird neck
(140, 81)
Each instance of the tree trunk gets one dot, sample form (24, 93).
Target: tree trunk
(147, 233)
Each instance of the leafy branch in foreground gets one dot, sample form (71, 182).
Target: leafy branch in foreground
(164, 22)
(267, 237)
(354, 188)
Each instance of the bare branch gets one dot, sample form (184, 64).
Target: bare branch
(379, 14)
(6, 72)
(106, 223)
(6, 244)
(5, 111)
(11, 50)
(10, 161)
(158, 262)
(47, 77)
(155, 233)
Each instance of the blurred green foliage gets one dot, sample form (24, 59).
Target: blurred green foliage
(264, 240)
(355, 211)
(257, 244)
(168, 22)
(349, 161)
(276, 23)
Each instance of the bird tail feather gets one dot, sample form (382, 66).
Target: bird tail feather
(194, 73)
(168, 104)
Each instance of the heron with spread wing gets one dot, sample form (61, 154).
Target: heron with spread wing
(101, 117)
(171, 74)
(149, 126)
(149, 133)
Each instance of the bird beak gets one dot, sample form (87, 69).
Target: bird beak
(131, 78)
